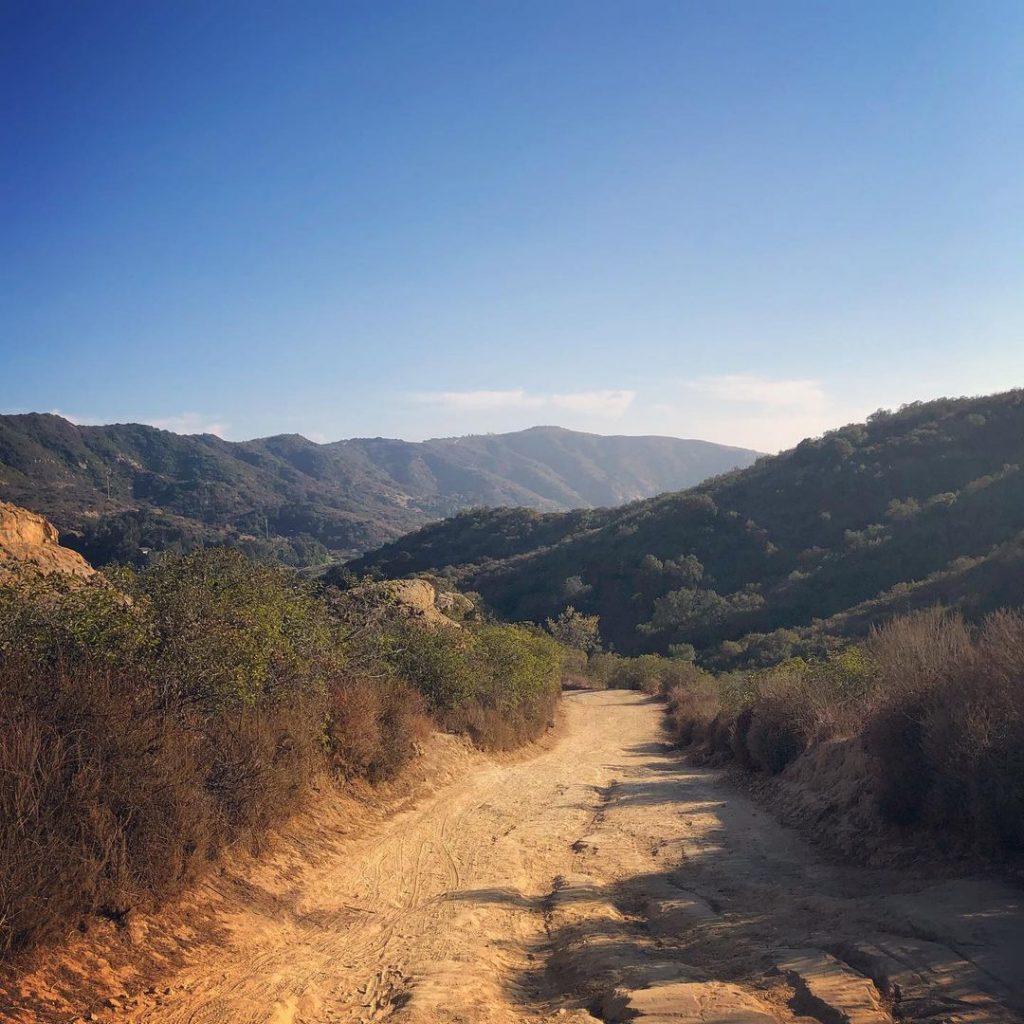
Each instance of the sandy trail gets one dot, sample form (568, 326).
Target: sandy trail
(601, 879)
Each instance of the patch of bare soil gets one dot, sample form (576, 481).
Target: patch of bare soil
(600, 879)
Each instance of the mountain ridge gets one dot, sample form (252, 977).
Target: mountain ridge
(117, 489)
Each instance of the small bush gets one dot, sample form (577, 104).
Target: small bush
(775, 737)
(45, 619)
(258, 764)
(601, 668)
(574, 681)
(691, 709)
(519, 681)
(438, 662)
(738, 738)
(229, 632)
(373, 726)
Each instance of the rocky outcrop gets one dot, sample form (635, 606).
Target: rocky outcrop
(419, 599)
(30, 542)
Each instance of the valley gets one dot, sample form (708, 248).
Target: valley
(512, 513)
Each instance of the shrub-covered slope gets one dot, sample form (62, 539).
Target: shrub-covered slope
(127, 487)
(927, 493)
(150, 721)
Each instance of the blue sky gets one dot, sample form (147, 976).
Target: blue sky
(745, 221)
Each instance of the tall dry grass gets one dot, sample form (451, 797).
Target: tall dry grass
(947, 731)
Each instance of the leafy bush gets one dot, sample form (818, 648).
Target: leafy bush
(573, 629)
(518, 672)
(229, 632)
(649, 673)
(53, 618)
(438, 662)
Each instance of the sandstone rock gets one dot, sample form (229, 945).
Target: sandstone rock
(828, 989)
(454, 604)
(30, 542)
(417, 598)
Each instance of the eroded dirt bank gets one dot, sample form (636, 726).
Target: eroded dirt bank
(602, 878)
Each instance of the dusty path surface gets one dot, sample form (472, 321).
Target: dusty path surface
(601, 879)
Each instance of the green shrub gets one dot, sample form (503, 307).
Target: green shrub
(54, 618)
(573, 629)
(601, 668)
(229, 632)
(438, 662)
(519, 675)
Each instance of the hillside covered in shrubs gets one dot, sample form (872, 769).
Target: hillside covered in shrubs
(152, 719)
(916, 506)
(122, 491)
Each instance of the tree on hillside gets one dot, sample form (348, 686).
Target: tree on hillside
(575, 629)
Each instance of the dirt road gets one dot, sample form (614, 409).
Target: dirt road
(601, 879)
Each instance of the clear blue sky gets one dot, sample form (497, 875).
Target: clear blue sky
(746, 221)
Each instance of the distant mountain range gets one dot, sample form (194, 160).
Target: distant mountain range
(118, 491)
(913, 507)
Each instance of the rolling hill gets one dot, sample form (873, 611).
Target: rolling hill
(116, 491)
(911, 507)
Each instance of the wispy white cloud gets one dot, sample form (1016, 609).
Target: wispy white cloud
(755, 412)
(598, 403)
(796, 394)
(190, 423)
(609, 403)
(79, 421)
(182, 423)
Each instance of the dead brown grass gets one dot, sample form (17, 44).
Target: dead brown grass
(493, 728)
(102, 801)
(948, 735)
